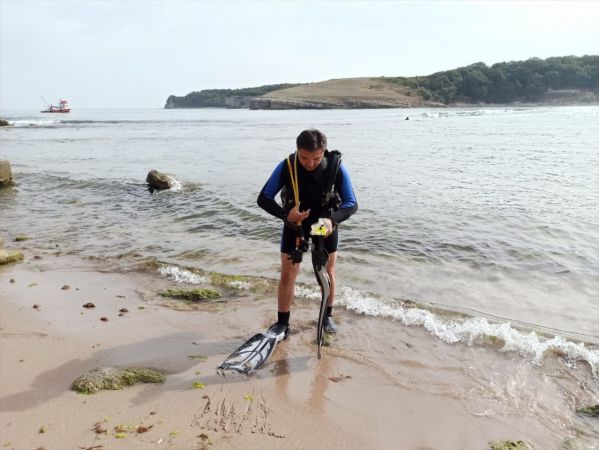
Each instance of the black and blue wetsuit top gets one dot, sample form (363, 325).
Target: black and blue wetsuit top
(312, 186)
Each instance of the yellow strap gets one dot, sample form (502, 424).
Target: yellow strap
(294, 180)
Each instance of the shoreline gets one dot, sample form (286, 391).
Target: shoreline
(357, 396)
(431, 106)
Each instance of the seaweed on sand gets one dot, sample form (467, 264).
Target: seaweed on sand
(193, 295)
(115, 378)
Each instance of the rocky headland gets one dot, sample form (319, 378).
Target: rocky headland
(568, 80)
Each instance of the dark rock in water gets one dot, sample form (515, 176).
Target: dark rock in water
(4, 123)
(115, 378)
(158, 180)
(591, 411)
(5, 174)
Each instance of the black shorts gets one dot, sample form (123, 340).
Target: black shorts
(288, 239)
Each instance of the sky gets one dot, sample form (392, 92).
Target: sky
(128, 54)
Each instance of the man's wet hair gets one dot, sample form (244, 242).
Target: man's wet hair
(311, 140)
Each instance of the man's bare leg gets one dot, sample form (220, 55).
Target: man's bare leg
(332, 277)
(286, 290)
(329, 325)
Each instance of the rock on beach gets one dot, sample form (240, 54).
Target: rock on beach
(7, 257)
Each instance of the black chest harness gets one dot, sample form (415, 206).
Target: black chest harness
(321, 193)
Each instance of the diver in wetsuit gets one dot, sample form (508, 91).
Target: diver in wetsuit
(322, 185)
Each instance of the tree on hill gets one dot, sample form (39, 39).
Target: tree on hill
(507, 82)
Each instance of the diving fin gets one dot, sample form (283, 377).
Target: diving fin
(323, 279)
(320, 259)
(255, 352)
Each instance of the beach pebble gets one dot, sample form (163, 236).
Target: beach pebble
(65, 287)
(124, 310)
(104, 319)
(12, 280)
(121, 314)
(89, 305)
(37, 257)
(36, 306)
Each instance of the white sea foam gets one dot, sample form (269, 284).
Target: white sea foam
(182, 275)
(33, 123)
(176, 184)
(307, 292)
(238, 284)
(468, 331)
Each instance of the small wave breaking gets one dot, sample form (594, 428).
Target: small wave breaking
(33, 123)
(451, 329)
(469, 330)
(465, 330)
(182, 275)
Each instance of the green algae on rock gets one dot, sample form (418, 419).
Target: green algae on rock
(115, 378)
(7, 257)
(194, 295)
(591, 411)
(510, 445)
(21, 238)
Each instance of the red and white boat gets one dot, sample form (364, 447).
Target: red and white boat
(63, 107)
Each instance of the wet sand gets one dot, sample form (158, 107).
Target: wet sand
(379, 385)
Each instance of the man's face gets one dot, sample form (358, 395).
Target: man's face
(310, 160)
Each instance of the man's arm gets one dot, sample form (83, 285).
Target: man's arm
(266, 198)
(349, 204)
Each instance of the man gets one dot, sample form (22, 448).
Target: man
(314, 184)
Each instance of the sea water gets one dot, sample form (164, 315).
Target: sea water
(490, 212)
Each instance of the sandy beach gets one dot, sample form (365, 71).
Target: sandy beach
(418, 399)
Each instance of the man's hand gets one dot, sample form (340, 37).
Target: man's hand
(329, 225)
(295, 215)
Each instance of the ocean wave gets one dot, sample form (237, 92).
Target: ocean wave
(447, 325)
(466, 330)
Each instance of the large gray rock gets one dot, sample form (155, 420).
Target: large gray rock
(4, 123)
(5, 174)
(159, 180)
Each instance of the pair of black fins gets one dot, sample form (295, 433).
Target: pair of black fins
(255, 352)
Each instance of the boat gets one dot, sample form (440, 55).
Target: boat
(63, 107)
